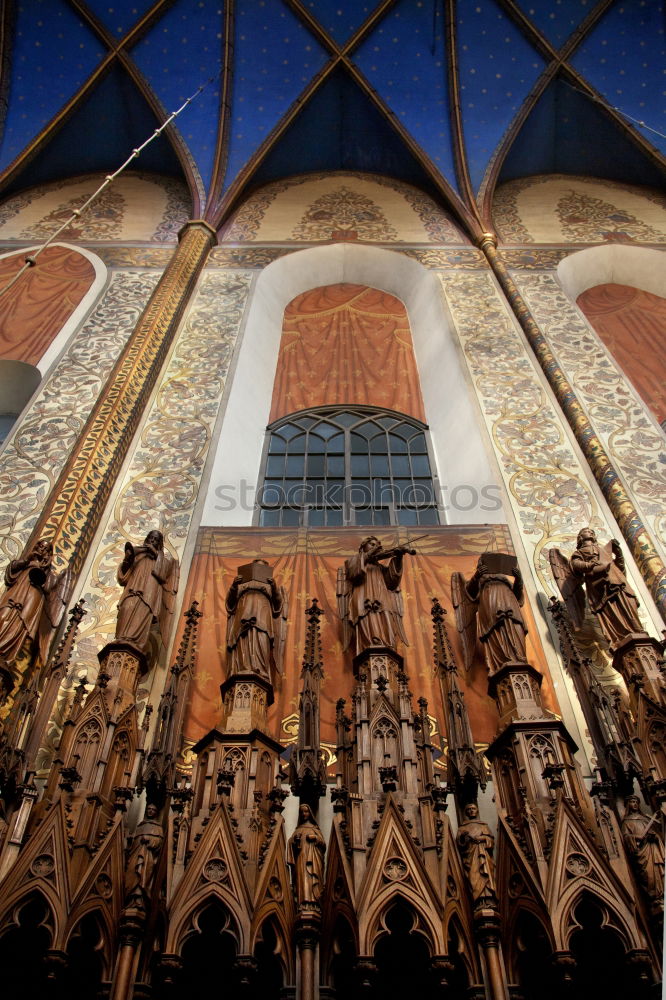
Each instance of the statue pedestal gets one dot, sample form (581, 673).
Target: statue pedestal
(516, 687)
(245, 700)
(121, 665)
(639, 659)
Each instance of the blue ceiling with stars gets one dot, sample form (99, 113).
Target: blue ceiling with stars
(452, 95)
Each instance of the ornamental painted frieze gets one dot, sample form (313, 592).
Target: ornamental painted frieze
(161, 481)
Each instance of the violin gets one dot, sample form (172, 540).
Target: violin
(400, 550)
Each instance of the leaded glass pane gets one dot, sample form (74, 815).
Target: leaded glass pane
(288, 430)
(397, 444)
(315, 465)
(316, 444)
(296, 465)
(326, 430)
(360, 466)
(365, 476)
(359, 445)
(407, 516)
(275, 465)
(380, 465)
(335, 465)
(420, 465)
(400, 465)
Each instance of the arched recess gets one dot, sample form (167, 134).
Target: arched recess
(271, 952)
(89, 957)
(615, 915)
(599, 948)
(38, 315)
(340, 954)
(48, 302)
(450, 409)
(184, 920)
(633, 267)
(461, 953)
(373, 926)
(529, 951)
(26, 934)
(402, 950)
(209, 948)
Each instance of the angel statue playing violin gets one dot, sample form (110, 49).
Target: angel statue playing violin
(601, 569)
(369, 599)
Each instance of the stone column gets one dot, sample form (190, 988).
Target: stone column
(307, 933)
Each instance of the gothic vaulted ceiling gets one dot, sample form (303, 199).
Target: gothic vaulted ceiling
(450, 95)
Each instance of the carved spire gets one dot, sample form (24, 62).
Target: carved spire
(55, 671)
(466, 768)
(616, 757)
(159, 770)
(307, 768)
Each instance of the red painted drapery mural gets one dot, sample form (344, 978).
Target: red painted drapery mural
(632, 325)
(36, 308)
(346, 344)
(306, 563)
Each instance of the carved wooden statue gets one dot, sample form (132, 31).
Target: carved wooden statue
(369, 599)
(488, 608)
(33, 603)
(475, 843)
(601, 569)
(256, 627)
(305, 854)
(150, 580)
(645, 846)
(144, 855)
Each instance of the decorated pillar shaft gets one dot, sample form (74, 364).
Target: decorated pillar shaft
(74, 509)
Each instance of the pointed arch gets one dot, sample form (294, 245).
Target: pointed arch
(616, 916)
(529, 940)
(27, 933)
(372, 923)
(273, 954)
(460, 950)
(183, 923)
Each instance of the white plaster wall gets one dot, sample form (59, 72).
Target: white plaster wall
(613, 264)
(461, 457)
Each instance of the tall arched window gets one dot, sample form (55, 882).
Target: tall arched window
(334, 466)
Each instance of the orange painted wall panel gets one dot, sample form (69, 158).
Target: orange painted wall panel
(346, 344)
(36, 308)
(632, 325)
(306, 563)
